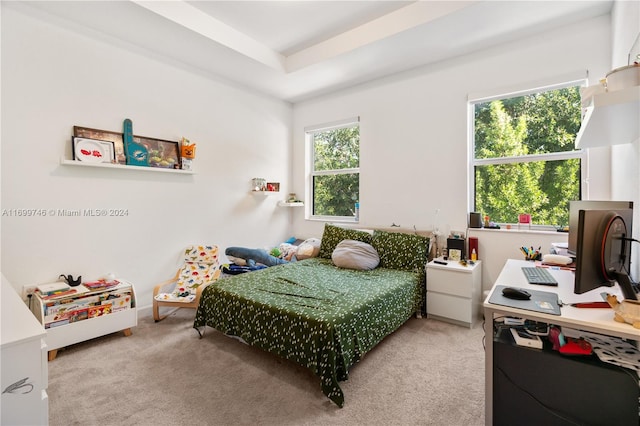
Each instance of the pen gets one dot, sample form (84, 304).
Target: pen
(591, 305)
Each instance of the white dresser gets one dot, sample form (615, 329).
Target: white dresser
(24, 363)
(454, 292)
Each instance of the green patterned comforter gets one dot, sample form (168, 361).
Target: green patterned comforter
(311, 312)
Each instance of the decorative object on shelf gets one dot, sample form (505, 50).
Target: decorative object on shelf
(187, 153)
(69, 279)
(160, 153)
(93, 151)
(104, 135)
(474, 220)
(163, 154)
(137, 154)
(258, 184)
(292, 201)
(273, 186)
(524, 221)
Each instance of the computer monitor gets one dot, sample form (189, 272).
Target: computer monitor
(602, 248)
(576, 206)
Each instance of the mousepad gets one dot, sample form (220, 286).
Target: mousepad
(541, 301)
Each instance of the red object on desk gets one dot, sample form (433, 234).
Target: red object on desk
(473, 245)
(591, 305)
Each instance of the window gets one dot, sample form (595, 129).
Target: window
(334, 160)
(523, 155)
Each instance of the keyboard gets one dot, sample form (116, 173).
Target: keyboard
(539, 276)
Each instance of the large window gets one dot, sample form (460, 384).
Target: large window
(523, 155)
(334, 159)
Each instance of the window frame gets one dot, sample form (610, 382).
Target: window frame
(311, 173)
(581, 154)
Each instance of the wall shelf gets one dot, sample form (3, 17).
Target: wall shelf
(264, 192)
(289, 204)
(66, 162)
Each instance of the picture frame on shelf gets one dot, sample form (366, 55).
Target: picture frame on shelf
(93, 150)
(162, 153)
(104, 135)
(273, 186)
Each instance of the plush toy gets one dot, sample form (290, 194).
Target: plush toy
(275, 252)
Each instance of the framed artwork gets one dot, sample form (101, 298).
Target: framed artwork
(104, 135)
(455, 254)
(93, 150)
(164, 154)
(273, 186)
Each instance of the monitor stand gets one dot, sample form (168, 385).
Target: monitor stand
(628, 291)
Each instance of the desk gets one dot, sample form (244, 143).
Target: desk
(594, 320)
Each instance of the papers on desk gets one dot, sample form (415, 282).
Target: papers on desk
(591, 296)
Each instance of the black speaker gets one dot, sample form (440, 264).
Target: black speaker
(475, 220)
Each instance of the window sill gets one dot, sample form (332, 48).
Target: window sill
(514, 229)
(333, 219)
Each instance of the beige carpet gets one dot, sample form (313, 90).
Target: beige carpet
(426, 373)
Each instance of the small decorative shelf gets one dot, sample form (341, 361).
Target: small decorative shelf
(290, 204)
(264, 192)
(66, 162)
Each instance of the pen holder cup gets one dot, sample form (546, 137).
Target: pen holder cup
(533, 256)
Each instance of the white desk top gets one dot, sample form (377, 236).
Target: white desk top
(597, 320)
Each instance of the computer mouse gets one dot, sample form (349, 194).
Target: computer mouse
(516, 293)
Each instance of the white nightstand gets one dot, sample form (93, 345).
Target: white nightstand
(453, 292)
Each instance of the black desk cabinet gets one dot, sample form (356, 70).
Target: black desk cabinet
(543, 387)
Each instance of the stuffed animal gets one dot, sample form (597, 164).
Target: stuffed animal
(628, 311)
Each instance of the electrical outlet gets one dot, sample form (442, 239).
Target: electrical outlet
(28, 290)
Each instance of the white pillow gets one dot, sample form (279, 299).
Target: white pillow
(351, 254)
(309, 248)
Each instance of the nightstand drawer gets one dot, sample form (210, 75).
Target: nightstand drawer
(452, 307)
(450, 282)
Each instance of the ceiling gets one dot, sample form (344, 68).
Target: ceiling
(295, 50)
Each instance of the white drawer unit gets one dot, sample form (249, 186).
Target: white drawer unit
(454, 291)
(24, 363)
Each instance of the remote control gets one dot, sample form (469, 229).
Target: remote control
(440, 262)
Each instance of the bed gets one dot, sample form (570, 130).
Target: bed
(319, 315)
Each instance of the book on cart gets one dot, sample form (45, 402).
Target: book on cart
(52, 289)
(100, 284)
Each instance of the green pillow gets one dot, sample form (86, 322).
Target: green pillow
(332, 235)
(407, 252)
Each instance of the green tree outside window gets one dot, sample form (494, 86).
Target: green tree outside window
(336, 174)
(524, 156)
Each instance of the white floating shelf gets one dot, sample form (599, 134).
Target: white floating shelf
(288, 204)
(66, 162)
(264, 192)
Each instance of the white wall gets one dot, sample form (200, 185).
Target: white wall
(54, 78)
(414, 127)
(625, 164)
